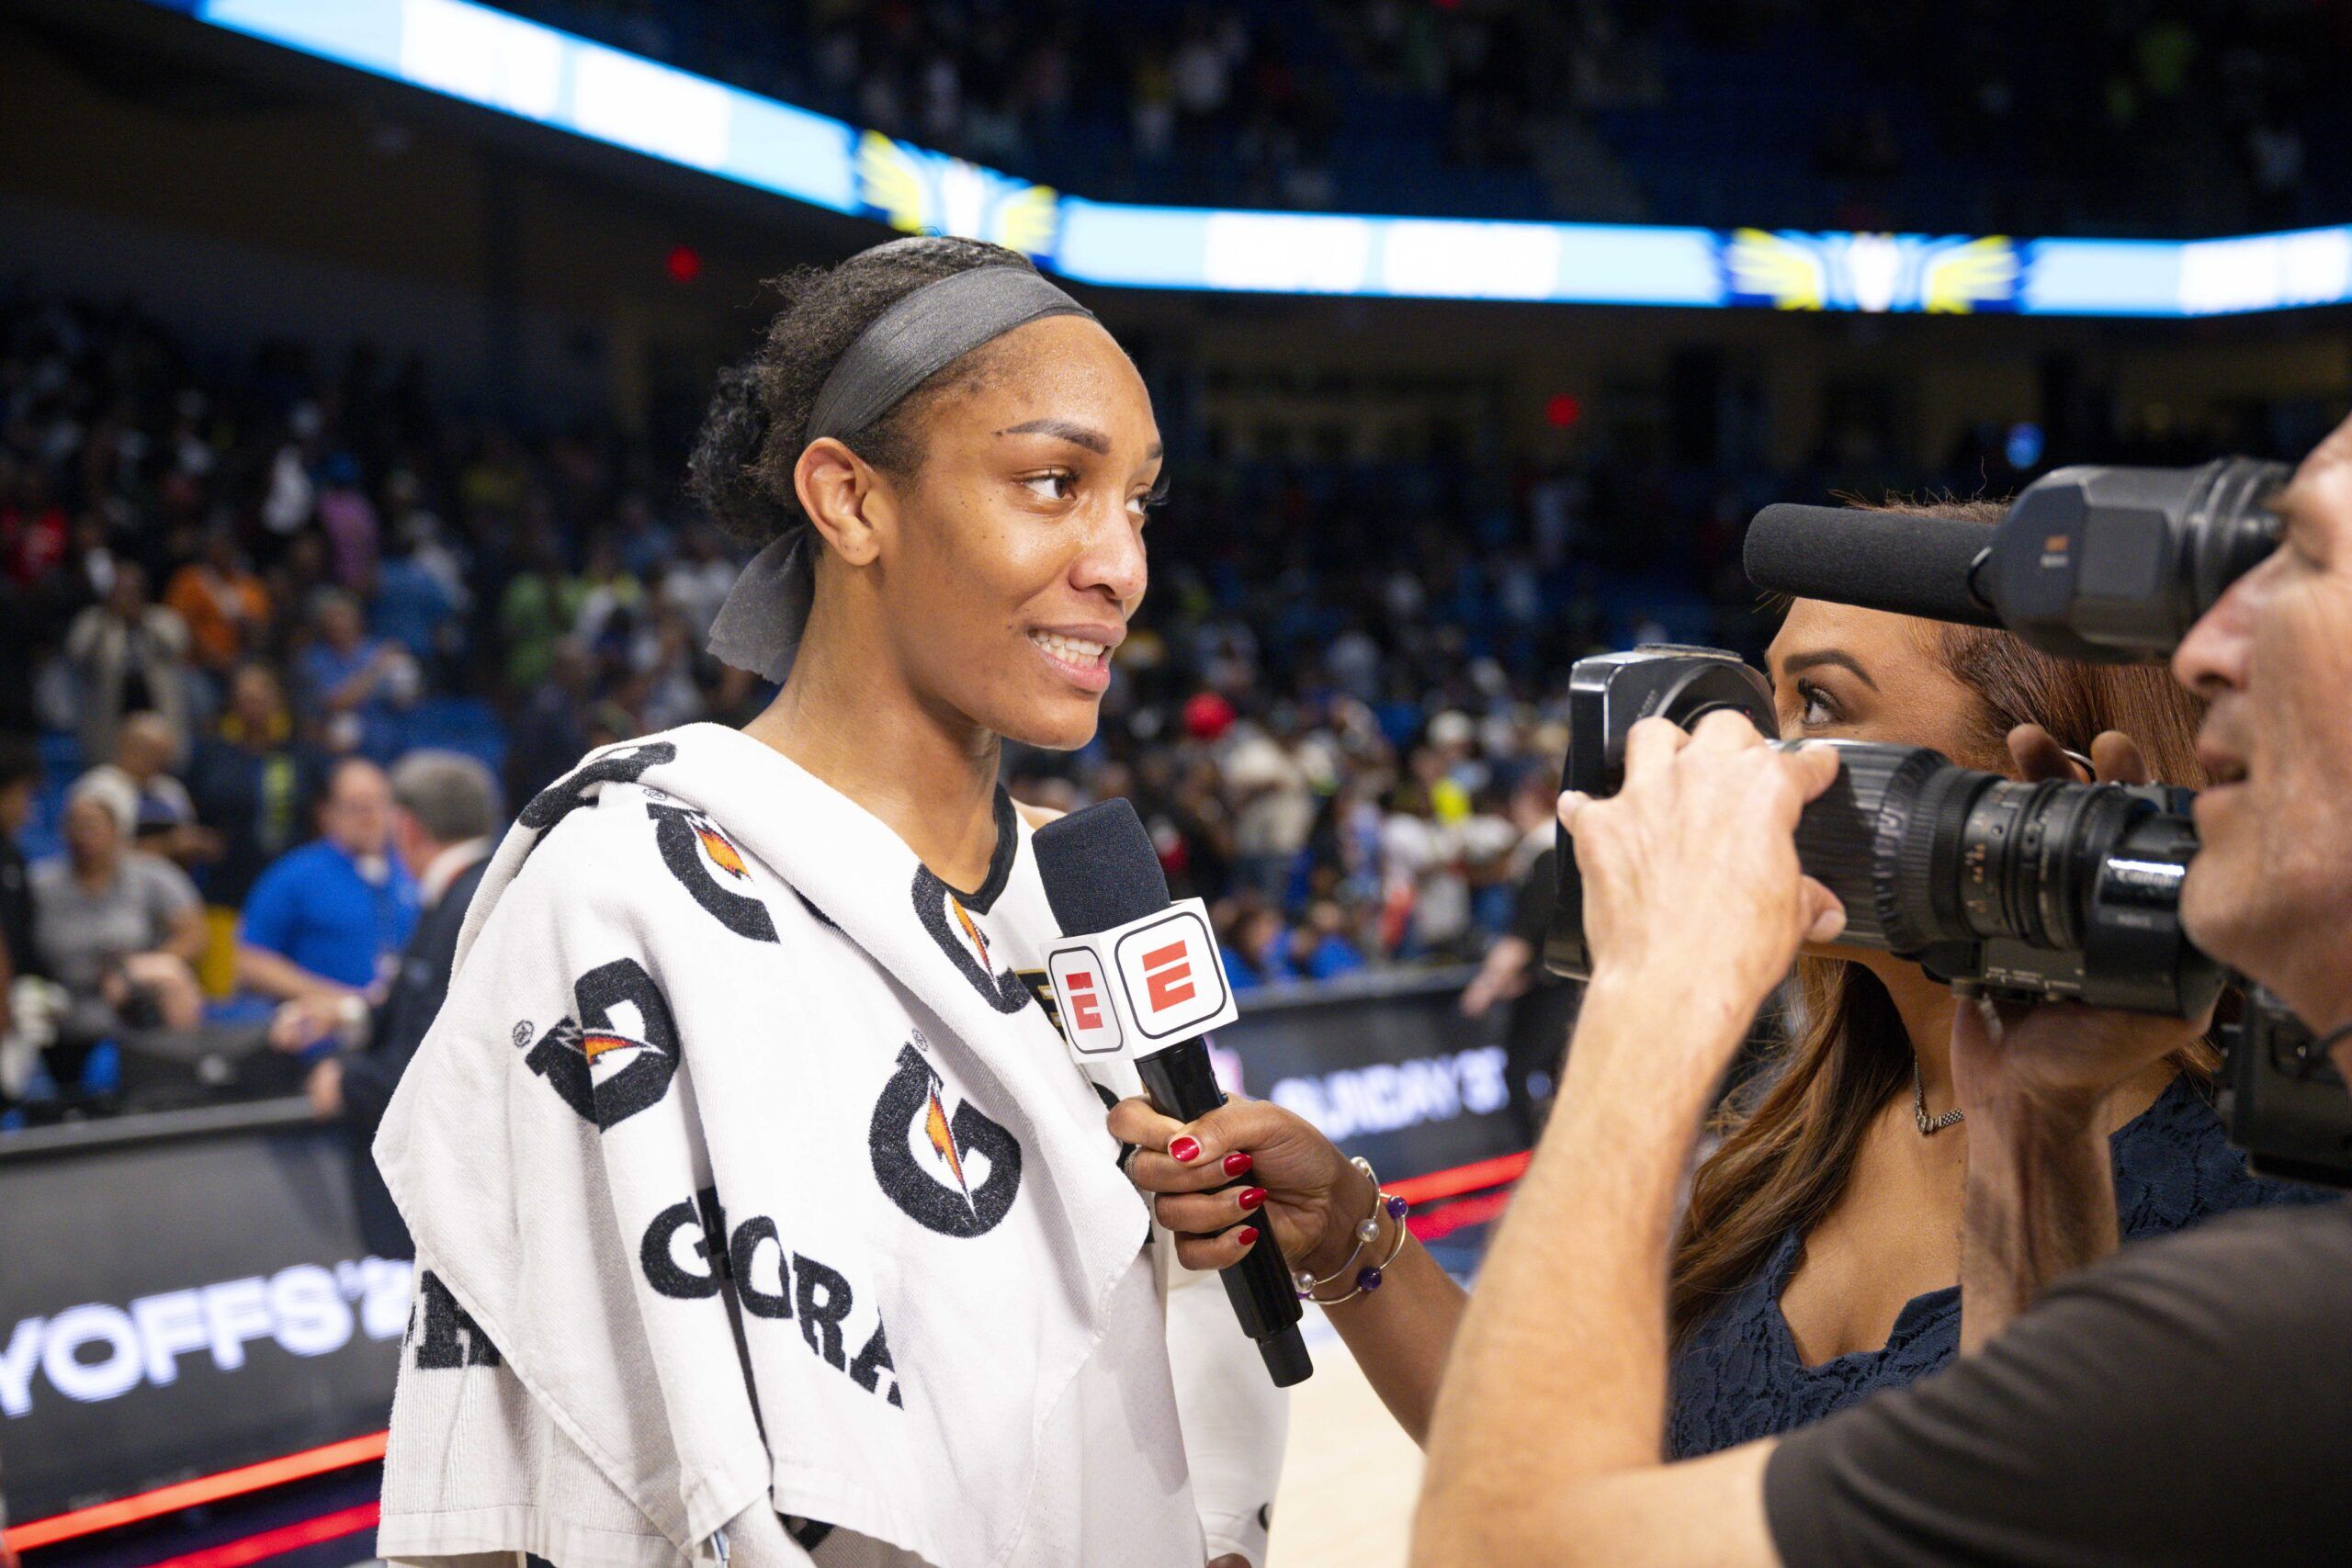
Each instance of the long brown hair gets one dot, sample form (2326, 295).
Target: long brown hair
(1788, 1146)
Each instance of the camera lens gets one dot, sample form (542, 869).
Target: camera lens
(1923, 851)
(2030, 857)
(1884, 838)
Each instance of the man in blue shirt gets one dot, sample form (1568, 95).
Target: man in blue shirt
(330, 918)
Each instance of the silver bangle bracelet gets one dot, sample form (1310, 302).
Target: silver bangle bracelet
(1367, 1231)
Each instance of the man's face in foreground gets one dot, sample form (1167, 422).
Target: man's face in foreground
(2270, 892)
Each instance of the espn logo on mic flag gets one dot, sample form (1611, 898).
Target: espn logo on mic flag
(1137, 988)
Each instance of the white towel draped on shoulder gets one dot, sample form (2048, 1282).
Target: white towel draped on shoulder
(729, 1182)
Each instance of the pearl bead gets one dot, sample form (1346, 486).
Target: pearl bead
(1369, 1230)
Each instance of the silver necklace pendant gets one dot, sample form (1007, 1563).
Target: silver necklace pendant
(1927, 1128)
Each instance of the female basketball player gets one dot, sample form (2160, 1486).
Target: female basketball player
(759, 1206)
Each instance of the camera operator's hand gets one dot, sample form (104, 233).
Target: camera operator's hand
(1691, 870)
(2039, 1085)
(2059, 1057)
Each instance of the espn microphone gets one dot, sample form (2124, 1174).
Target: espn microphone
(1137, 977)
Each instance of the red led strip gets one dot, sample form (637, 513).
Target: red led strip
(1457, 1179)
(193, 1494)
(251, 1548)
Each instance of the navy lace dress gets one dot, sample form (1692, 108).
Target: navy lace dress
(1739, 1376)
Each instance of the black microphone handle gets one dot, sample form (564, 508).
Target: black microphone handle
(1182, 1083)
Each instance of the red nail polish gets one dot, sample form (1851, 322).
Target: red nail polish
(1236, 1163)
(1251, 1197)
(1186, 1150)
(1248, 1235)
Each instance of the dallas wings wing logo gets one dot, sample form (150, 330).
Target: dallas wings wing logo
(700, 856)
(1791, 270)
(603, 1070)
(922, 192)
(955, 1174)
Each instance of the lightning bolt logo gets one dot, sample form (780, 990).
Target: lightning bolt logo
(595, 1043)
(915, 1096)
(722, 854)
(971, 929)
(934, 1126)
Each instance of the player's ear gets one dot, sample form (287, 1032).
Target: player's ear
(844, 498)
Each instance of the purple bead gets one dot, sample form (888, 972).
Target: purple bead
(1369, 1279)
(1396, 1207)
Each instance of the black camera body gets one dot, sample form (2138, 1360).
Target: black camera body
(2281, 1099)
(2034, 892)
(2103, 565)
(2114, 565)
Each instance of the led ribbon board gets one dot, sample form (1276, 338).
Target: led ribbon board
(536, 72)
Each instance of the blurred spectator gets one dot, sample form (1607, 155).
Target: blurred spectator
(1273, 809)
(255, 783)
(20, 776)
(1427, 895)
(224, 606)
(348, 518)
(118, 929)
(551, 731)
(541, 604)
(444, 812)
(419, 598)
(328, 920)
(1321, 948)
(127, 654)
(353, 679)
(1541, 1005)
(696, 583)
(32, 524)
(1255, 947)
(164, 821)
(612, 606)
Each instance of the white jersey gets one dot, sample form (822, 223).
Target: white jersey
(798, 1201)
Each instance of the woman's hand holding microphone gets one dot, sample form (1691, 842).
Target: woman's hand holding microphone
(1297, 1182)
(1300, 1184)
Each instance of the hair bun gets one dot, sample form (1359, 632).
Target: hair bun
(722, 473)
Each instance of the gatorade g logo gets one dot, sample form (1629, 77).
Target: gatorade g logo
(569, 793)
(691, 847)
(618, 1056)
(954, 1175)
(959, 935)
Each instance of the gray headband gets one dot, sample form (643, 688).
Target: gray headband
(759, 627)
(924, 334)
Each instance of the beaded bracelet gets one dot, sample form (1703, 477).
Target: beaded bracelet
(1367, 1231)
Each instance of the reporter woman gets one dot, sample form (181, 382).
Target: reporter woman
(749, 1177)
(1822, 1250)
